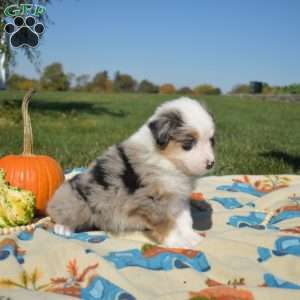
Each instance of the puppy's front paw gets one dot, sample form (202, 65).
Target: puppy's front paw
(175, 239)
(62, 230)
(193, 238)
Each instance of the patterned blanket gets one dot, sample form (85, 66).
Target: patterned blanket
(251, 250)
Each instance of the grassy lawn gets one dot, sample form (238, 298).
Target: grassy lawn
(253, 136)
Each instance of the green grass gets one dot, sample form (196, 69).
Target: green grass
(253, 136)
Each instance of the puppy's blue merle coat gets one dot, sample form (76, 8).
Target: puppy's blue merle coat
(143, 183)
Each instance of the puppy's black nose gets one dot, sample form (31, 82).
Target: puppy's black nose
(209, 164)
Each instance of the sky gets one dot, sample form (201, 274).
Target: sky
(184, 42)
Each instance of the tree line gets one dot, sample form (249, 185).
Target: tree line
(266, 89)
(54, 78)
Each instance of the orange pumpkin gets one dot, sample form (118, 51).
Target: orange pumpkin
(39, 173)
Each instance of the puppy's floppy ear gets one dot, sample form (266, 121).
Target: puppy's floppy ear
(163, 128)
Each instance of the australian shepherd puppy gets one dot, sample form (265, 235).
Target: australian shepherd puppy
(145, 182)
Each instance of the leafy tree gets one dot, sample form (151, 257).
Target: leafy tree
(267, 89)
(100, 82)
(293, 88)
(207, 89)
(54, 78)
(14, 81)
(123, 83)
(185, 91)
(7, 54)
(109, 86)
(275, 90)
(256, 87)
(167, 88)
(19, 82)
(72, 78)
(81, 82)
(146, 86)
(240, 89)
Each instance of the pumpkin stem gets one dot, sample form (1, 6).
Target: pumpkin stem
(27, 137)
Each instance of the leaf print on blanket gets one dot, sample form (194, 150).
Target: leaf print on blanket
(72, 284)
(295, 230)
(272, 281)
(97, 287)
(159, 258)
(284, 245)
(82, 236)
(27, 235)
(9, 247)
(256, 188)
(102, 289)
(256, 220)
(220, 291)
(228, 202)
(253, 220)
(85, 285)
(26, 280)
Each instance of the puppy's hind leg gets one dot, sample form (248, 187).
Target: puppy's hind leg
(62, 230)
(68, 210)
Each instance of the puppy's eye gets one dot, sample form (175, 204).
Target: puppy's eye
(212, 141)
(187, 146)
